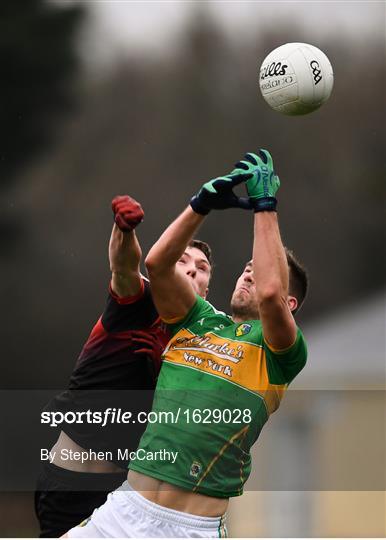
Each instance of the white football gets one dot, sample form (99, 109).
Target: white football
(296, 78)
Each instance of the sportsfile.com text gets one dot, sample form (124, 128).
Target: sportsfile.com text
(119, 416)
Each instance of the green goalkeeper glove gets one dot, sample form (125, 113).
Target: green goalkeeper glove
(218, 194)
(263, 185)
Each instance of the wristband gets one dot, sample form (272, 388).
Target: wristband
(197, 206)
(264, 204)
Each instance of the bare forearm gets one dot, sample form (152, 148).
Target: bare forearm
(269, 260)
(124, 256)
(271, 276)
(161, 263)
(171, 245)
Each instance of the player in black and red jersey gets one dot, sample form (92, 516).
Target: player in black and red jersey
(123, 352)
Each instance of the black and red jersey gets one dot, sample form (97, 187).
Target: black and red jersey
(109, 373)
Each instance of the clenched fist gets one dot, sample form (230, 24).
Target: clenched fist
(128, 212)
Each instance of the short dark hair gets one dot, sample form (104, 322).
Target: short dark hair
(298, 279)
(204, 247)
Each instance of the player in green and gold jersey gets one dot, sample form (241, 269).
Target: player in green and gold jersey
(222, 376)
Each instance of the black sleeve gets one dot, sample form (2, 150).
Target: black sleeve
(132, 313)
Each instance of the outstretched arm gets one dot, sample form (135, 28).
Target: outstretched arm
(124, 256)
(172, 291)
(270, 271)
(124, 250)
(270, 267)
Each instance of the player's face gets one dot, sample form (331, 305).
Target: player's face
(244, 301)
(195, 265)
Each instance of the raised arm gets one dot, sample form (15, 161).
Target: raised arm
(172, 290)
(124, 250)
(270, 270)
(270, 267)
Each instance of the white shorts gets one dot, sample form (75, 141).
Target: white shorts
(126, 514)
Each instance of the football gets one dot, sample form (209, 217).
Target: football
(296, 78)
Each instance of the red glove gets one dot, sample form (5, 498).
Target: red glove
(149, 343)
(128, 213)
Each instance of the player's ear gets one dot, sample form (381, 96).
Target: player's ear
(292, 303)
(206, 293)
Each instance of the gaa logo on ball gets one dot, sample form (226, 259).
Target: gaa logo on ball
(296, 78)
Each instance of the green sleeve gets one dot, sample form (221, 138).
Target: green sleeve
(201, 308)
(283, 366)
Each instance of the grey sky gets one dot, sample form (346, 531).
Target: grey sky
(121, 27)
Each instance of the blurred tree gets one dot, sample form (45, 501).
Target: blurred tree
(37, 58)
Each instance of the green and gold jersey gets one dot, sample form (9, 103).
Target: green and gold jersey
(218, 385)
